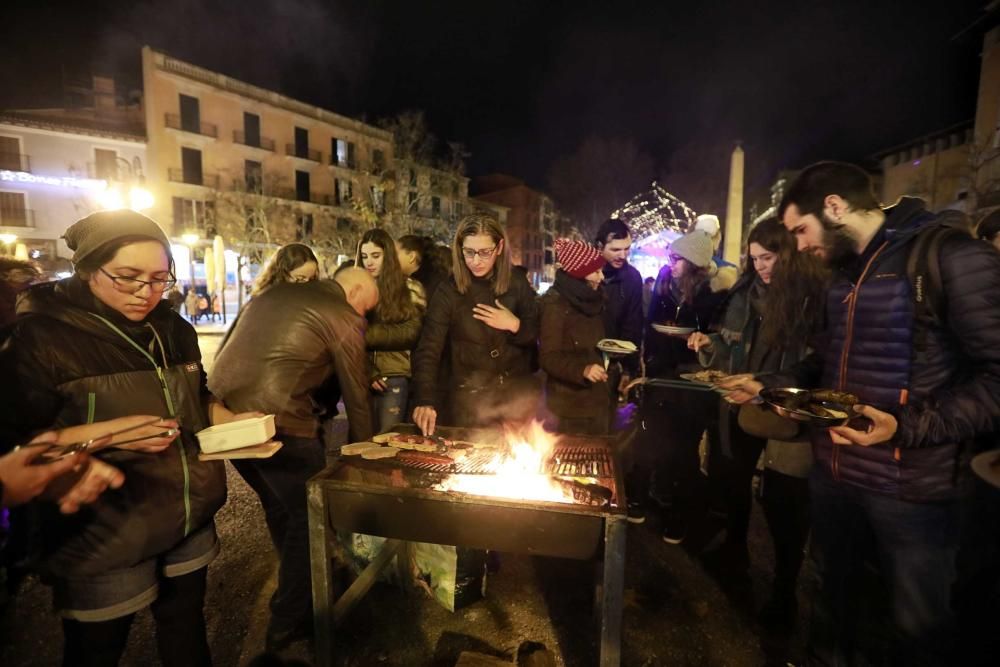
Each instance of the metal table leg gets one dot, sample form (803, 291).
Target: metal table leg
(613, 591)
(320, 558)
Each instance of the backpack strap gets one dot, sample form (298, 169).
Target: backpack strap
(923, 270)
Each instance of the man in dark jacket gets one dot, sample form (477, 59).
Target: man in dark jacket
(623, 313)
(927, 391)
(287, 342)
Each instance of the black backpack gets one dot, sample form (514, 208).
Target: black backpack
(923, 270)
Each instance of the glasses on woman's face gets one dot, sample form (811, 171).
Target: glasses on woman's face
(674, 259)
(133, 285)
(470, 253)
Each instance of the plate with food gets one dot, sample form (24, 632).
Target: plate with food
(616, 347)
(819, 407)
(708, 376)
(671, 330)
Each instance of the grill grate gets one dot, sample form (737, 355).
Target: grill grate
(581, 462)
(566, 461)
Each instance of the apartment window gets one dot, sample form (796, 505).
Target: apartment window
(303, 227)
(105, 164)
(190, 114)
(302, 185)
(10, 153)
(345, 190)
(454, 188)
(13, 209)
(411, 202)
(301, 142)
(343, 225)
(251, 129)
(254, 176)
(435, 206)
(192, 214)
(378, 160)
(191, 164)
(344, 150)
(458, 209)
(413, 177)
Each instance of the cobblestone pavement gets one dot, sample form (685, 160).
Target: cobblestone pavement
(675, 613)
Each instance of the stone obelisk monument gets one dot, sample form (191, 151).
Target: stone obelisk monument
(734, 209)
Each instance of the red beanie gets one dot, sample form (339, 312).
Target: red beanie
(578, 259)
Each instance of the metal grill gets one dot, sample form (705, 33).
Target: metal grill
(565, 461)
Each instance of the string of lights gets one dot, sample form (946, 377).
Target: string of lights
(656, 217)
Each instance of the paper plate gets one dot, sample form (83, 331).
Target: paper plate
(671, 330)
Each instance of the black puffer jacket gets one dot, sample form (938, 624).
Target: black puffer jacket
(71, 360)
(481, 357)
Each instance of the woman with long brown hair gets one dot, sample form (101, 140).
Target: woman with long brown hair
(769, 318)
(486, 318)
(292, 263)
(393, 326)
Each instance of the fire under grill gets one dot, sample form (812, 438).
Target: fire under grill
(399, 500)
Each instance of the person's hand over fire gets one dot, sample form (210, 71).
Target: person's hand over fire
(425, 417)
(698, 340)
(739, 389)
(882, 428)
(498, 317)
(595, 373)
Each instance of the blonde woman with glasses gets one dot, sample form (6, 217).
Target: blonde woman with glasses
(486, 320)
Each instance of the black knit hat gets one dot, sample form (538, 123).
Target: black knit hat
(98, 229)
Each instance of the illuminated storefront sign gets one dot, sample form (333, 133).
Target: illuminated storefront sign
(7, 176)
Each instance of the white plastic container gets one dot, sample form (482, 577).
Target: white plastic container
(234, 435)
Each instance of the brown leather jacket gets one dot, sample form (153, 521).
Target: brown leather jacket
(286, 343)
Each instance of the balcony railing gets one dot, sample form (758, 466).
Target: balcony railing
(174, 122)
(345, 163)
(18, 217)
(15, 162)
(307, 154)
(239, 137)
(205, 180)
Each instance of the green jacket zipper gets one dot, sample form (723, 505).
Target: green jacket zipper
(170, 409)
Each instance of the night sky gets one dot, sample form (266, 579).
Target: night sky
(523, 84)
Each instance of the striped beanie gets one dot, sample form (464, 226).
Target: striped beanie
(578, 259)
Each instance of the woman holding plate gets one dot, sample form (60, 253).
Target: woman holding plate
(683, 302)
(768, 320)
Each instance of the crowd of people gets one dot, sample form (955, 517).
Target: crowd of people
(897, 306)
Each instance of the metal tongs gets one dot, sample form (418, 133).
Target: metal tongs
(57, 451)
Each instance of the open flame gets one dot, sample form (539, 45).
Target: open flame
(518, 472)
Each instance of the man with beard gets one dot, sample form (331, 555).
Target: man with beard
(886, 488)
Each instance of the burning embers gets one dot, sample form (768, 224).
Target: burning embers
(524, 469)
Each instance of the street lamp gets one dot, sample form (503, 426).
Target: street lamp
(139, 198)
(8, 240)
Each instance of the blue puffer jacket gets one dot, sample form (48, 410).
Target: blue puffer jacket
(945, 397)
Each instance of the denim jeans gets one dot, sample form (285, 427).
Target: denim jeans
(915, 547)
(280, 483)
(390, 405)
